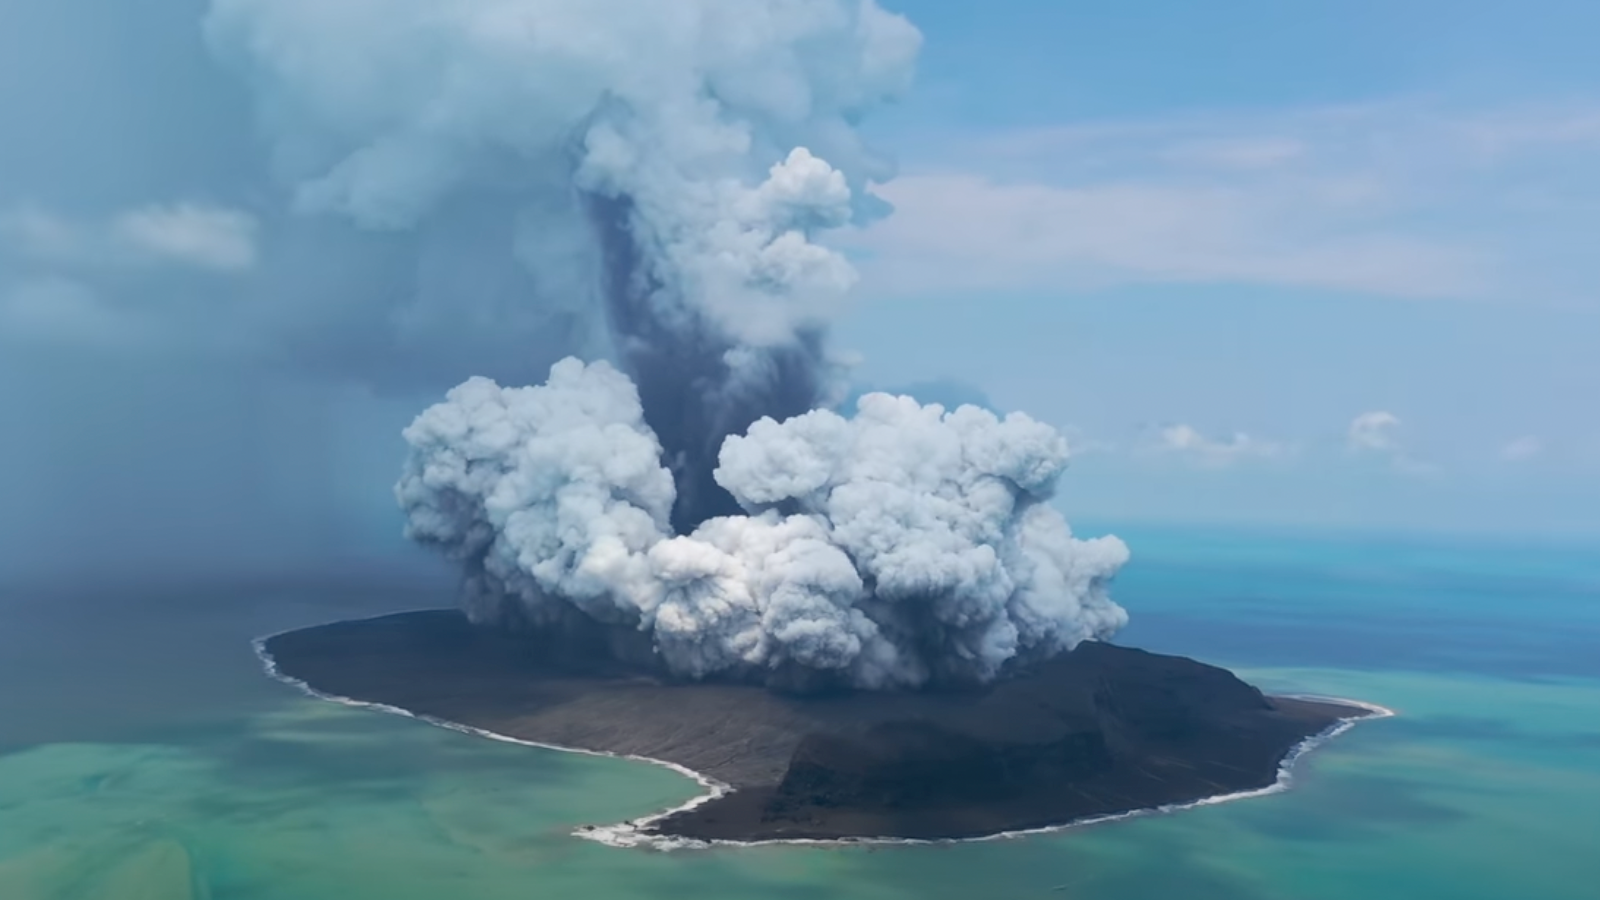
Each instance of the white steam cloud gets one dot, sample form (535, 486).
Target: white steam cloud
(668, 167)
(903, 545)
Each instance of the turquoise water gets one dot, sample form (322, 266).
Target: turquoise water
(143, 755)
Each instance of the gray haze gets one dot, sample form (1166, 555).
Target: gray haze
(173, 407)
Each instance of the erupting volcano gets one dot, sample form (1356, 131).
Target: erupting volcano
(678, 546)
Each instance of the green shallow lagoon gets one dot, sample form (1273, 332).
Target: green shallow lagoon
(1486, 786)
(1488, 793)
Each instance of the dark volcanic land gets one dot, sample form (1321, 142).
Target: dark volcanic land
(1101, 730)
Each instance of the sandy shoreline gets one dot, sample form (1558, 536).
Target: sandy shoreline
(635, 833)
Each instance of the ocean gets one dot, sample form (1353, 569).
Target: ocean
(144, 754)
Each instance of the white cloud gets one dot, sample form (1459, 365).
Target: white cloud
(1522, 448)
(1189, 441)
(1377, 433)
(961, 231)
(186, 235)
(202, 236)
(1374, 431)
(1504, 133)
(1245, 153)
(1402, 199)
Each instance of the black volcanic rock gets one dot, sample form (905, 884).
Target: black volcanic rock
(1101, 730)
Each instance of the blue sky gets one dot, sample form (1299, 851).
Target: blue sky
(1208, 241)
(1318, 264)
(1038, 63)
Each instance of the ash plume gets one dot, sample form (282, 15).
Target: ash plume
(665, 162)
(902, 546)
(669, 168)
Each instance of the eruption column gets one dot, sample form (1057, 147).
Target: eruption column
(669, 168)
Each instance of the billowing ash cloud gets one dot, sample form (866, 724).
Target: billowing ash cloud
(942, 514)
(662, 165)
(904, 545)
(551, 495)
(661, 171)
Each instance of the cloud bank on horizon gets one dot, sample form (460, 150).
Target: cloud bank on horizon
(673, 167)
(1368, 198)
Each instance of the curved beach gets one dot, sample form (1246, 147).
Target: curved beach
(1099, 736)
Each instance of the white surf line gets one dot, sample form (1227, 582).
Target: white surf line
(631, 834)
(714, 788)
(635, 832)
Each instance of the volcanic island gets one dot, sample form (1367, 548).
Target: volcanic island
(1095, 732)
